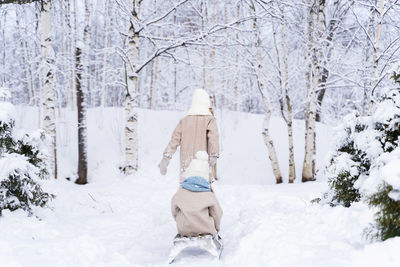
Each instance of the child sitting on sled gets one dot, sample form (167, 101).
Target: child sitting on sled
(194, 206)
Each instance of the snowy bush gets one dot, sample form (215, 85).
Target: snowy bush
(22, 165)
(19, 186)
(366, 164)
(387, 218)
(349, 162)
(383, 185)
(382, 188)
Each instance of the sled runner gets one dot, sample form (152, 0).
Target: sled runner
(203, 242)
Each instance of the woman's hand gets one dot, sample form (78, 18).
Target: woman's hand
(163, 165)
(212, 161)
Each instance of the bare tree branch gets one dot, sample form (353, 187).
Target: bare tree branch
(19, 2)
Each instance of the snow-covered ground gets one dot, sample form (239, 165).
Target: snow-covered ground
(126, 221)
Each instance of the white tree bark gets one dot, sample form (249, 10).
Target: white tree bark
(154, 70)
(3, 53)
(311, 108)
(237, 58)
(259, 74)
(367, 84)
(267, 137)
(376, 47)
(49, 93)
(153, 78)
(131, 117)
(71, 33)
(24, 57)
(204, 14)
(104, 57)
(212, 57)
(289, 115)
(224, 74)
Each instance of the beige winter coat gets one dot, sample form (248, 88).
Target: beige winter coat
(194, 133)
(196, 212)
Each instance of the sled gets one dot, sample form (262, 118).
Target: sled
(203, 242)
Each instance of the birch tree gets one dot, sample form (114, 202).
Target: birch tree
(340, 11)
(376, 45)
(320, 42)
(131, 117)
(103, 77)
(237, 55)
(316, 22)
(285, 101)
(257, 66)
(82, 52)
(249, 54)
(49, 96)
(24, 56)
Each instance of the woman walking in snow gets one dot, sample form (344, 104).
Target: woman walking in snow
(197, 131)
(194, 206)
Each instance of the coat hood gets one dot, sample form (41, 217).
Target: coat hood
(201, 103)
(199, 166)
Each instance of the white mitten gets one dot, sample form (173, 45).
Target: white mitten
(163, 165)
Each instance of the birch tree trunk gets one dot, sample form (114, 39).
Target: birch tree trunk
(81, 110)
(310, 118)
(31, 76)
(131, 117)
(2, 24)
(104, 57)
(203, 27)
(375, 56)
(24, 57)
(71, 53)
(322, 61)
(259, 74)
(224, 73)
(331, 31)
(289, 117)
(49, 93)
(237, 55)
(267, 137)
(175, 70)
(367, 68)
(153, 78)
(319, 67)
(154, 70)
(82, 99)
(212, 57)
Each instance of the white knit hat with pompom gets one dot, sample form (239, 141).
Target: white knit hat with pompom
(198, 166)
(201, 103)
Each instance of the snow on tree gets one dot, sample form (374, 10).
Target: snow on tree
(22, 163)
(383, 183)
(365, 164)
(363, 140)
(348, 162)
(151, 54)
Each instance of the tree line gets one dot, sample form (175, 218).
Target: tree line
(314, 60)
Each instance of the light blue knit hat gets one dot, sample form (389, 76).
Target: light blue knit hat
(196, 184)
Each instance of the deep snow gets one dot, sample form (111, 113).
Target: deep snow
(126, 221)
